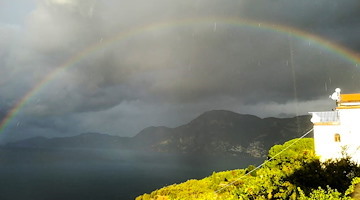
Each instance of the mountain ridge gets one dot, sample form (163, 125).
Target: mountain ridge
(212, 132)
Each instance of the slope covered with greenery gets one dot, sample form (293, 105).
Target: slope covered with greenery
(292, 171)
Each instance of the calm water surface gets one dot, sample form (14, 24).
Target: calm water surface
(100, 175)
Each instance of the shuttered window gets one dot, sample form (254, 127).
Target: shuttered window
(337, 137)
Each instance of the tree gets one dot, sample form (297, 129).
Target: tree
(336, 174)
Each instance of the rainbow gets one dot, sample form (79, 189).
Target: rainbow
(328, 45)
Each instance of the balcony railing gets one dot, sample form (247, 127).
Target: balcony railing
(323, 117)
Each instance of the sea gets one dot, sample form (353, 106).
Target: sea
(88, 174)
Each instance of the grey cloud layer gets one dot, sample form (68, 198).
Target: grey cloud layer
(183, 69)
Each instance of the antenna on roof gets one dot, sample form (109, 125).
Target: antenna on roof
(336, 95)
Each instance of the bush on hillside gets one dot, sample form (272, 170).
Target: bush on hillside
(337, 174)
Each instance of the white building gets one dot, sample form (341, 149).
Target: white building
(337, 132)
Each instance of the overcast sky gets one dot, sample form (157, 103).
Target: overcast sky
(169, 74)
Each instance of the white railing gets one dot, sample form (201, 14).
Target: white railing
(328, 116)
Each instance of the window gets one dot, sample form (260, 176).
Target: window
(337, 137)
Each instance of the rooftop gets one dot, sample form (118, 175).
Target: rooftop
(346, 101)
(349, 98)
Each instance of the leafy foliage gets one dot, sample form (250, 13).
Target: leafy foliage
(291, 172)
(336, 174)
(322, 194)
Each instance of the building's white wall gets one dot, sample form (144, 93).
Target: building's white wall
(350, 121)
(349, 130)
(325, 145)
(350, 117)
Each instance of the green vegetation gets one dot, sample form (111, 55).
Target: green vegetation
(292, 171)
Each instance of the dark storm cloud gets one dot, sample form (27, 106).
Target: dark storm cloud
(335, 20)
(144, 79)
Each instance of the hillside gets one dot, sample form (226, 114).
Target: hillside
(213, 132)
(226, 132)
(293, 172)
